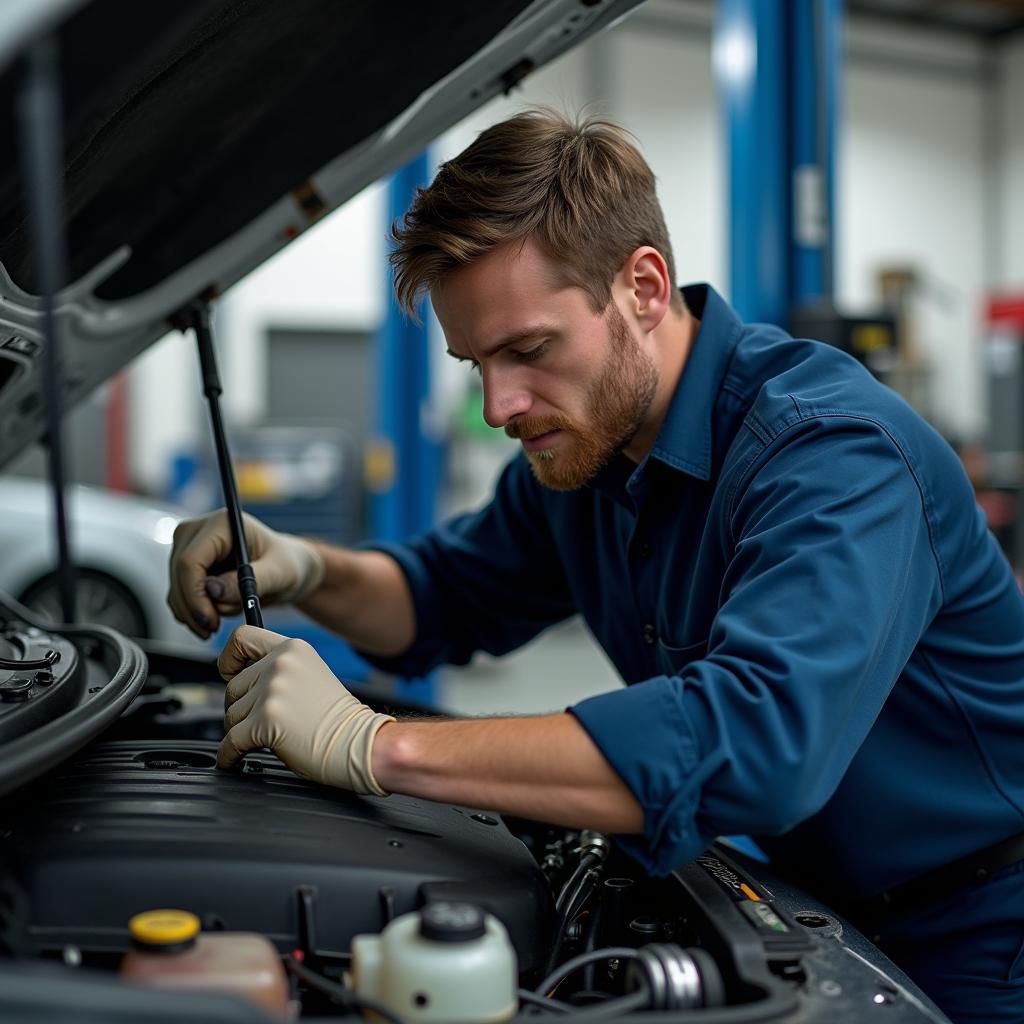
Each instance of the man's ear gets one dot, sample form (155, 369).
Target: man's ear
(645, 275)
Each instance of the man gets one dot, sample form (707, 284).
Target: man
(825, 646)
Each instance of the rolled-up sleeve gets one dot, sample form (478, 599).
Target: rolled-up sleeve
(486, 581)
(831, 582)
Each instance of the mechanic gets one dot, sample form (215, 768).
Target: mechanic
(823, 644)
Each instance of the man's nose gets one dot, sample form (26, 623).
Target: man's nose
(503, 400)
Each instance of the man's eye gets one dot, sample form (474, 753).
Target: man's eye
(533, 353)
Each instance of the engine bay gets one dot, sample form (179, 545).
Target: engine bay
(129, 825)
(114, 807)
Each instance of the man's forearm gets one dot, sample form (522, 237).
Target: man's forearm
(364, 597)
(545, 768)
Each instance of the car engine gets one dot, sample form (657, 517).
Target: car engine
(133, 824)
(111, 805)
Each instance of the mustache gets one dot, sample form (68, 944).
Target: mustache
(534, 426)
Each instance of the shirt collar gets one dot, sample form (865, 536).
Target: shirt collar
(685, 439)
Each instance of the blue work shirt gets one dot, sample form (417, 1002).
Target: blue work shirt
(824, 645)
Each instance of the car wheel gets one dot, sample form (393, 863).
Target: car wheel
(99, 599)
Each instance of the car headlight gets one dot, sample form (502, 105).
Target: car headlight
(163, 529)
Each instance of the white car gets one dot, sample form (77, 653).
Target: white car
(120, 545)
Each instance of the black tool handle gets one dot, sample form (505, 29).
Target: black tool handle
(200, 319)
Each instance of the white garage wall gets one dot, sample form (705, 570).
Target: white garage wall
(164, 411)
(664, 92)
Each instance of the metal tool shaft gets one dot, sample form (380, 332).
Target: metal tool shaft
(200, 320)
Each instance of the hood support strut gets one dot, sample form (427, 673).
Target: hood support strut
(42, 153)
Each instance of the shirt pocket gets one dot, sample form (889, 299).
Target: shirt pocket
(673, 659)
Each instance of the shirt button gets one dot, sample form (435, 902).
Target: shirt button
(645, 549)
(650, 634)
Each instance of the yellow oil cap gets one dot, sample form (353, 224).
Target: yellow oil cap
(164, 928)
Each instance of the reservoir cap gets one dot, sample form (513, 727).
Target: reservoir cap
(446, 921)
(166, 930)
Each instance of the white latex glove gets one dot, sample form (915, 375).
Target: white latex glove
(282, 696)
(287, 569)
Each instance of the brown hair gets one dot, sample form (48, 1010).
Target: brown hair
(580, 189)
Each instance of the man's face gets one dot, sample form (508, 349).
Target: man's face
(572, 385)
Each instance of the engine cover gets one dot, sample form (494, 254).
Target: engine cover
(139, 825)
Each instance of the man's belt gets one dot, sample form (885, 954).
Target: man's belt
(933, 886)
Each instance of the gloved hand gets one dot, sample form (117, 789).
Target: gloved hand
(290, 701)
(287, 569)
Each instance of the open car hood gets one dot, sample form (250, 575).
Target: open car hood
(201, 137)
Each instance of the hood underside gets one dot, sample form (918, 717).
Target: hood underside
(185, 121)
(200, 137)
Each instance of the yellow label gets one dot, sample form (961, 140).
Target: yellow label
(870, 337)
(256, 481)
(379, 465)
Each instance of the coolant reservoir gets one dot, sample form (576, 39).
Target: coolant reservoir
(171, 952)
(449, 962)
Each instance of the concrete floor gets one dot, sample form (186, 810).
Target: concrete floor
(560, 667)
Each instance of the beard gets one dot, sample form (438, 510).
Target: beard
(615, 405)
